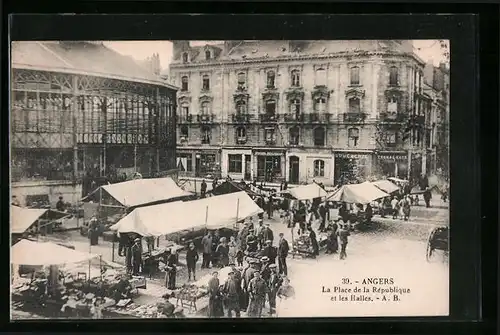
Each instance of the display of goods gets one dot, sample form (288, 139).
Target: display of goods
(191, 292)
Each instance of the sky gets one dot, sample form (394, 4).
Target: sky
(428, 50)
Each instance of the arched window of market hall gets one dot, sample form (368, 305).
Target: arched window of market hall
(185, 57)
(296, 78)
(294, 135)
(353, 137)
(320, 77)
(205, 108)
(320, 105)
(393, 76)
(242, 79)
(319, 136)
(319, 168)
(271, 79)
(184, 83)
(295, 106)
(354, 75)
(354, 105)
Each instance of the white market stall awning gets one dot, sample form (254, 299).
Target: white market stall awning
(27, 252)
(307, 192)
(213, 213)
(363, 193)
(398, 180)
(21, 218)
(138, 192)
(386, 186)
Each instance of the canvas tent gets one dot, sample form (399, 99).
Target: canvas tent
(306, 192)
(140, 192)
(386, 186)
(398, 180)
(27, 252)
(230, 186)
(22, 219)
(212, 213)
(363, 193)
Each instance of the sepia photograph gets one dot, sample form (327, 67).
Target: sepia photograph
(229, 179)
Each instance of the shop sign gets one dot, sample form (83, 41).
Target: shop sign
(393, 157)
(269, 153)
(350, 155)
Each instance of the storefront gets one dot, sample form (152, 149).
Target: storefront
(415, 166)
(270, 165)
(199, 163)
(237, 164)
(392, 164)
(304, 167)
(352, 167)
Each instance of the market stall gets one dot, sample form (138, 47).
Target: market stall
(306, 192)
(32, 220)
(386, 186)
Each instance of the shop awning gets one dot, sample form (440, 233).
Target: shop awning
(21, 218)
(139, 192)
(213, 213)
(27, 252)
(386, 186)
(307, 192)
(363, 193)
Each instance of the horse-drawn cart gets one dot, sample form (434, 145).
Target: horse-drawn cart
(438, 240)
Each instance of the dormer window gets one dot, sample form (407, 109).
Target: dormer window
(271, 79)
(185, 57)
(208, 55)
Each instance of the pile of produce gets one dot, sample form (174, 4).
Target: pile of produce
(190, 292)
(303, 244)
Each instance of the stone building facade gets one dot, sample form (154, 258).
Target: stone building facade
(329, 111)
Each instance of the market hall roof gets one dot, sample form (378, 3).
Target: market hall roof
(84, 58)
(140, 192)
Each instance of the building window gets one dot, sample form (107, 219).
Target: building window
(319, 136)
(205, 108)
(184, 83)
(354, 105)
(353, 137)
(294, 134)
(392, 105)
(184, 132)
(206, 134)
(270, 136)
(242, 79)
(319, 168)
(185, 57)
(393, 76)
(271, 107)
(206, 83)
(207, 55)
(271, 79)
(241, 107)
(390, 138)
(296, 78)
(319, 105)
(184, 112)
(235, 163)
(295, 106)
(320, 77)
(241, 134)
(355, 75)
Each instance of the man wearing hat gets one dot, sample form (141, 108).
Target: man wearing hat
(343, 234)
(265, 272)
(215, 308)
(257, 291)
(60, 205)
(273, 283)
(136, 256)
(283, 249)
(231, 292)
(251, 242)
(269, 251)
(248, 273)
(222, 253)
(266, 234)
(171, 270)
(258, 230)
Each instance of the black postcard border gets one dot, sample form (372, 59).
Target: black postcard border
(468, 176)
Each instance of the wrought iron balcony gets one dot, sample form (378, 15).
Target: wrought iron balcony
(268, 118)
(354, 117)
(240, 118)
(319, 118)
(184, 118)
(294, 117)
(392, 117)
(205, 118)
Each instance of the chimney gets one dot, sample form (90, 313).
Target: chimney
(179, 47)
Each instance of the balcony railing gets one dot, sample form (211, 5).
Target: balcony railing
(354, 117)
(268, 118)
(291, 117)
(240, 118)
(205, 118)
(392, 117)
(185, 118)
(319, 117)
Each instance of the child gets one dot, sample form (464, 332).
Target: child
(239, 257)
